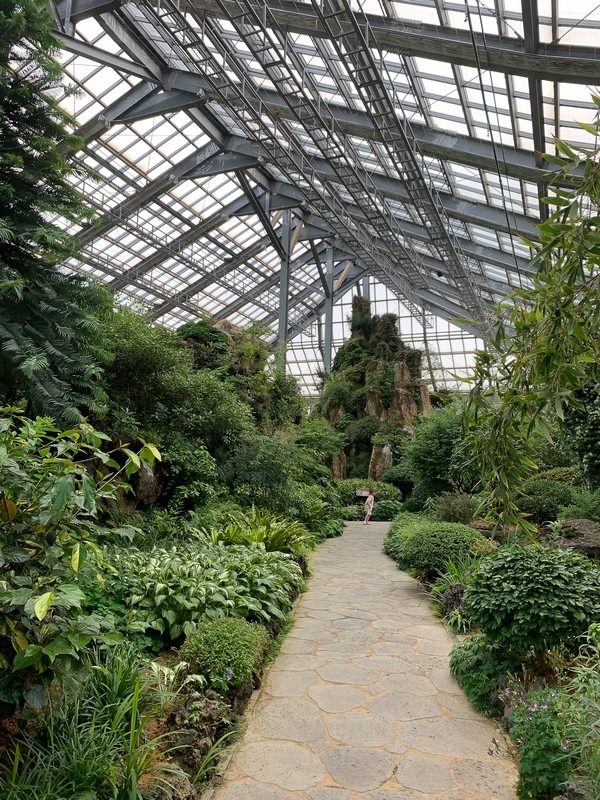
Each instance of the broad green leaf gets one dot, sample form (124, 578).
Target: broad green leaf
(75, 557)
(133, 457)
(89, 493)
(35, 696)
(42, 605)
(28, 657)
(59, 647)
(64, 489)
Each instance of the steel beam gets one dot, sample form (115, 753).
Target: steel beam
(83, 9)
(328, 337)
(451, 45)
(284, 281)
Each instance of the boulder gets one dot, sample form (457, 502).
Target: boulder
(424, 399)
(338, 466)
(381, 459)
(373, 406)
(579, 534)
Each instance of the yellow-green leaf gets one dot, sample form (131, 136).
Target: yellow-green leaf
(75, 557)
(42, 605)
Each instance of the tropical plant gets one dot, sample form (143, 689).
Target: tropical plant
(260, 526)
(534, 598)
(50, 321)
(52, 483)
(584, 505)
(544, 348)
(227, 652)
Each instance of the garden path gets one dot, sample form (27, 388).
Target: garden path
(360, 703)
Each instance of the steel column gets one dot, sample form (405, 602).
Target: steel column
(328, 343)
(284, 280)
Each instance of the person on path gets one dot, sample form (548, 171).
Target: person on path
(369, 506)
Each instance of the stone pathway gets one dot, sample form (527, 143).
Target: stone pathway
(360, 702)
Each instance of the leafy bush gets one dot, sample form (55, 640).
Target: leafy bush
(347, 490)
(227, 652)
(331, 528)
(429, 551)
(584, 505)
(423, 491)
(398, 477)
(542, 498)
(320, 438)
(49, 509)
(386, 510)
(432, 453)
(168, 588)
(404, 525)
(569, 475)
(538, 724)
(191, 472)
(362, 430)
(449, 589)
(260, 526)
(479, 666)
(534, 598)
(353, 513)
(453, 507)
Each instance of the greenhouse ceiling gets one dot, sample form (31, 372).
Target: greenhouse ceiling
(257, 162)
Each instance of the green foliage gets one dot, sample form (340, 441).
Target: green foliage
(453, 507)
(569, 475)
(166, 589)
(191, 473)
(538, 724)
(545, 344)
(337, 393)
(354, 352)
(361, 321)
(402, 528)
(153, 377)
(542, 498)
(582, 421)
(347, 490)
(584, 505)
(93, 740)
(384, 341)
(583, 690)
(478, 666)
(320, 439)
(382, 379)
(362, 430)
(429, 550)
(227, 652)
(431, 455)
(210, 346)
(331, 528)
(386, 510)
(352, 513)
(261, 526)
(49, 508)
(398, 477)
(50, 321)
(449, 589)
(424, 491)
(534, 598)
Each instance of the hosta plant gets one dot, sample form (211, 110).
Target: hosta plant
(272, 531)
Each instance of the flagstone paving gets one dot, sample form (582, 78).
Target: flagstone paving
(360, 702)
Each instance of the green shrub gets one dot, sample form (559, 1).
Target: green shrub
(534, 598)
(398, 477)
(362, 430)
(424, 490)
(584, 505)
(347, 490)
(538, 724)
(432, 453)
(570, 475)
(542, 498)
(478, 666)
(353, 513)
(227, 652)
(404, 525)
(453, 507)
(449, 589)
(331, 528)
(386, 510)
(437, 543)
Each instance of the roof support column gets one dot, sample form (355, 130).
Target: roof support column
(328, 344)
(366, 288)
(284, 280)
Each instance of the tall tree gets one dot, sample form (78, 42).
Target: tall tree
(50, 340)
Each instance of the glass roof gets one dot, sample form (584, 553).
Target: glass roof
(251, 161)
